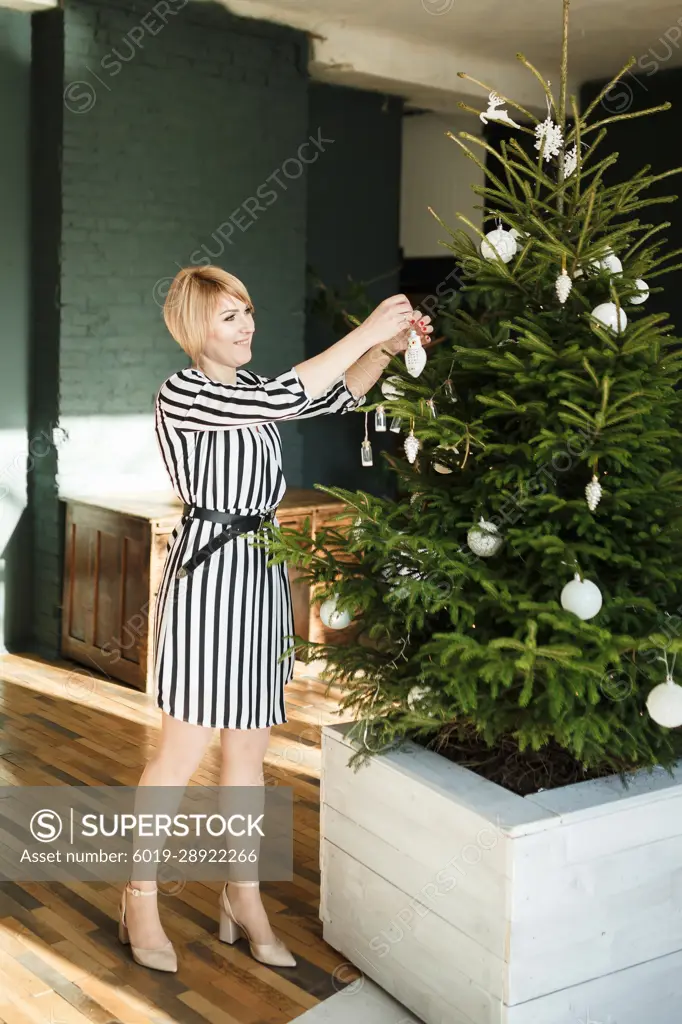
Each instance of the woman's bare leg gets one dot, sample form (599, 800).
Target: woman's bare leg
(243, 751)
(181, 749)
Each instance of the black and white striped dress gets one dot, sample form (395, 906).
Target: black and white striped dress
(218, 632)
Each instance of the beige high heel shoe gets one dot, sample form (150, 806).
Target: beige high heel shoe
(161, 959)
(275, 954)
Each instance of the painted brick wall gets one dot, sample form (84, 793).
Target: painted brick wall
(182, 129)
(15, 534)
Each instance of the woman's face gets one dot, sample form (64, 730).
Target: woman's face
(230, 332)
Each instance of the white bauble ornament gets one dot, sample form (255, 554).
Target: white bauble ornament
(484, 539)
(609, 262)
(416, 695)
(331, 617)
(499, 243)
(415, 356)
(562, 286)
(411, 570)
(582, 597)
(664, 704)
(438, 466)
(593, 493)
(389, 388)
(607, 314)
(643, 292)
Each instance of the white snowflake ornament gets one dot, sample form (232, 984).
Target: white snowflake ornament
(563, 285)
(499, 243)
(549, 138)
(593, 493)
(570, 161)
(415, 356)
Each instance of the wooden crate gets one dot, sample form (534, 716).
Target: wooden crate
(114, 555)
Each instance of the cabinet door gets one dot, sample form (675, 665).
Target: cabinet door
(300, 591)
(106, 592)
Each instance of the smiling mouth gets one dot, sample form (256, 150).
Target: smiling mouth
(247, 342)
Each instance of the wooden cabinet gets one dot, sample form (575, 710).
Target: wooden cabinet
(114, 555)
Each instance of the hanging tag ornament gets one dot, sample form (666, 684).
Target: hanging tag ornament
(415, 356)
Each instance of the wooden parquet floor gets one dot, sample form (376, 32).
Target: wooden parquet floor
(60, 958)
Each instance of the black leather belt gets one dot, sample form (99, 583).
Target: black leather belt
(234, 525)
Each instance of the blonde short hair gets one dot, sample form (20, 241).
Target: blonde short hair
(191, 300)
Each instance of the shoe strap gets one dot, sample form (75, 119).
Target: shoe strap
(141, 892)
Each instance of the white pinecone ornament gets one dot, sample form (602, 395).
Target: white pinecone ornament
(415, 356)
(411, 446)
(593, 493)
(563, 286)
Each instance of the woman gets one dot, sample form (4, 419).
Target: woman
(221, 616)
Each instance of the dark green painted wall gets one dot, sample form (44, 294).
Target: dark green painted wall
(15, 538)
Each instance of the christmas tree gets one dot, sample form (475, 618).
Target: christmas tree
(517, 606)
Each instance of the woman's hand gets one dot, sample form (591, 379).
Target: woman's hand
(388, 319)
(421, 324)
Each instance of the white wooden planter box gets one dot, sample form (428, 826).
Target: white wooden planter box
(472, 905)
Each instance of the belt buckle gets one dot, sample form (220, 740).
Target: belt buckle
(263, 516)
